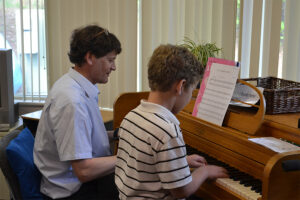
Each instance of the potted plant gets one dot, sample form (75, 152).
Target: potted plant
(202, 51)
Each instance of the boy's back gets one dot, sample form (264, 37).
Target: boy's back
(151, 153)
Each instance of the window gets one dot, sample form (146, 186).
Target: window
(281, 39)
(22, 29)
(269, 42)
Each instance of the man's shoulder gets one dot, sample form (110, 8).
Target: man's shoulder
(65, 92)
(64, 82)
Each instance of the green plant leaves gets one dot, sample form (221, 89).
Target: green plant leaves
(201, 51)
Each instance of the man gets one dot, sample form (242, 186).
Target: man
(71, 148)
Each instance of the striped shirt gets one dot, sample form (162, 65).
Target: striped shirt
(151, 156)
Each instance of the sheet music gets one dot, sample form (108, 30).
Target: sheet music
(216, 91)
(275, 144)
(246, 94)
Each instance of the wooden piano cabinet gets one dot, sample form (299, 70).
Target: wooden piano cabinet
(283, 126)
(125, 103)
(227, 146)
(230, 145)
(278, 183)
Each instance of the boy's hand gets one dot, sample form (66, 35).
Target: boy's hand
(195, 161)
(214, 172)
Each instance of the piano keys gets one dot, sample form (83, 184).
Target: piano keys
(244, 185)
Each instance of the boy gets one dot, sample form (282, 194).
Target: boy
(151, 160)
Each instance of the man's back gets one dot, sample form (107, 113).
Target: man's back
(69, 127)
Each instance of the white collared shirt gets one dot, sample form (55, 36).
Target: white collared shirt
(71, 128)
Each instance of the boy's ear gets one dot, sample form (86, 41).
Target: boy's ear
(180, 86)
(89, 58)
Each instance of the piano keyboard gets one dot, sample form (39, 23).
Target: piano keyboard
(238, 188)
(238, 182)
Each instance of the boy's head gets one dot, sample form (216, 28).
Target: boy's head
(170, 64)
(94, 39)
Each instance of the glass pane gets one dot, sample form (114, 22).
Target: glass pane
(34, 48)
(27, 47)
(2, 31)
(281, 39)
(42, 50)
(11, 9)
(22, 29)
(237, 30)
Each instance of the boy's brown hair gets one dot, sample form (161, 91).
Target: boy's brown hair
(171, 63)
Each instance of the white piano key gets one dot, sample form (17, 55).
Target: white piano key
(238, 188)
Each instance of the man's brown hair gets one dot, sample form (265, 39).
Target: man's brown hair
(94, 39)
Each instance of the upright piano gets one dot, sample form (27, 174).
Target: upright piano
(256, 172)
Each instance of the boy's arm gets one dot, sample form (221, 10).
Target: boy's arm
(199, 175)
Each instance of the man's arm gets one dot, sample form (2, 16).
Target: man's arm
(110, 135)
(113, 134)
(90, 169)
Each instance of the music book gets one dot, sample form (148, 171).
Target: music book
(216, 90)
(275, 144)
(243, 93)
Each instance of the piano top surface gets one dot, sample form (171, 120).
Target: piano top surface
(287, 119)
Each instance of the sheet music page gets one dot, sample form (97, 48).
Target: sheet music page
(215, 95)
(246, 94)
(275, 144)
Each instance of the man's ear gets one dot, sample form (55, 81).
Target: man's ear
(180, 86)
(89, 58)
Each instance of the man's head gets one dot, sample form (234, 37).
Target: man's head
(94, 40)
(170, 64)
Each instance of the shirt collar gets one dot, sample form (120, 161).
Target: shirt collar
(161, 110)
(90, 89)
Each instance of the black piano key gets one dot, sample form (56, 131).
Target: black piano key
(233, 169)
(256, 187)
(253, 182)
(239, 176)
(246, 179)
(235, 174)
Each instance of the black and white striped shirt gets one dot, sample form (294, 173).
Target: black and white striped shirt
(151, 156)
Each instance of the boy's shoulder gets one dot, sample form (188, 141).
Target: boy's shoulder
(154, 122)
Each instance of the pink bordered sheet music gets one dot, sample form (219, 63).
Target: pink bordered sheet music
(216, 90)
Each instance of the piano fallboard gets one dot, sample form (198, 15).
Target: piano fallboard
(229, 145)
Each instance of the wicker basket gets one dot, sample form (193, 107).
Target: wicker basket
(282, 96)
